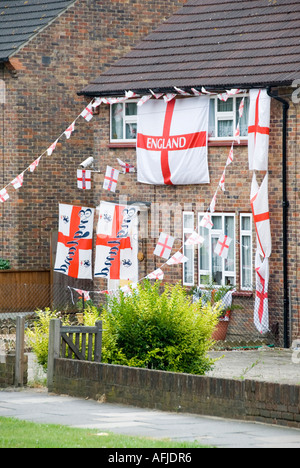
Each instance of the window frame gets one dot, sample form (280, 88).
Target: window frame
(227, 115)
(215, 233)
(126, 119)
(188, 231)
(242, 234)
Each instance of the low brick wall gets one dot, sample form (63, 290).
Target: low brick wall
(247, 400)
(7, 370)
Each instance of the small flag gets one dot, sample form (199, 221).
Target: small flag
(35, 164)
(70, 130)
(157, 275)
(206, 221)
(3, 195)
(87, 113)
(177, 259)
(222, 247)
(18, 181)
(84, 181)
(126, 167)
(144, 99)
(230, 157)
(156, 95)
(222, 182)
(194, 239)
(169, 97)
(212, 207)
(181, 91)
(237, 135)
(111, 179)
(52, 148)
(85, 293)
(164, 246)
(241, 108)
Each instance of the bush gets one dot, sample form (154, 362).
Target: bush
(163, 331)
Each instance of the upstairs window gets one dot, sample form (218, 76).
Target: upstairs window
(123, 118)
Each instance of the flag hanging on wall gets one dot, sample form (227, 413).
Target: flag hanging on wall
(172, 142)
(261, 306)
(75, 241)
(111, 179)
(261, 216)
(84, 180)
(259, 130)
(222, 247)
(164, 246)
(117, 242)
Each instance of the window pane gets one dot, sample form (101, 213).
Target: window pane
(189, 265)
(204, 248)
(216, 269)
(131, 108)
(131, 131)
(188, 221)
(229, 231)
(117, 122)
(245, 118)
(229, 281)
(217, 220)
(225, 106)
(246, 262)
(225, 128)
(212, 119)
(246, 224)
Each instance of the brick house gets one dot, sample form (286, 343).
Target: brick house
(217, 45)
(48, 50)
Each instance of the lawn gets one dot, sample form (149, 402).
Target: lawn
(15, 433)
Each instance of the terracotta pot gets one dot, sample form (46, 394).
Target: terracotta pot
(221, 331)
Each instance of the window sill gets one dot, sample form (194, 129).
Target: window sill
(243, 294)
(219, 143)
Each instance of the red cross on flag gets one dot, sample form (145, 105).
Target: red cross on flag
(194, 239)
(172, 142)
(75, 241)
(261, 216)
(35, 164)
(84, 181)
(164, 246)
(68, 132)
(86, 294)
(117, 243)
(222, 247)
(52, 148)
(261, 307)
(126, 167)
(111, 179)
(259, 130)
(206, 221)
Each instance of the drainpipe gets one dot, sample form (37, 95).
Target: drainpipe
(285, 207)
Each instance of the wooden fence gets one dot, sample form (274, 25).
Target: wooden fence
(74, 342)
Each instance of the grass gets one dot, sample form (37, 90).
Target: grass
(15, 433)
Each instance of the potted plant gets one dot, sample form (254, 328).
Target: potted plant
(223, 296)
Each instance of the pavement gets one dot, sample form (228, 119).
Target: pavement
(266, 364)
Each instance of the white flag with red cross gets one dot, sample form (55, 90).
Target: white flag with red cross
(3, 195)
(126, 167)
(84, 179)
(35, 164)
(68, 132)
(172, 142)
(222, 247)
(157, 275)
(111, 179)
(177, 259)
(259, 130)
(75, 241)
(117, 242)
(18, 181)
(87, 113)
(261, 306)
(261, 215)
(206, 221)
(194, 239)
(164, 246)
(52, 148)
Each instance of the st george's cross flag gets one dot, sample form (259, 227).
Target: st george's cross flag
(75, 241)
(172, 142)
(261, 306)
(157, 275)
(18, 181)
(84, 180)
(164, 245)
(259, 130)
(3, 195)
(177, 259)
(194, 239)
(87, 113)
(222, 247)
(111, 179)
(117, 242)
(261, 215)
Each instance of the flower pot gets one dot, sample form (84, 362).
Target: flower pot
(220, 331)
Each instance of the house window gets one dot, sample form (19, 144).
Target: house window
(223, 120)
(123, 118)
(221, 271)
(246, 251)
(188, 250)
(224, 117)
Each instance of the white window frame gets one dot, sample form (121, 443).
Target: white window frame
(185, 231)
(244, 233)
(126, 119)
(230, 115)
(215, 233)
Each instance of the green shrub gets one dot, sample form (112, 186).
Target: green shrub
(4, 264)
(159, 330)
